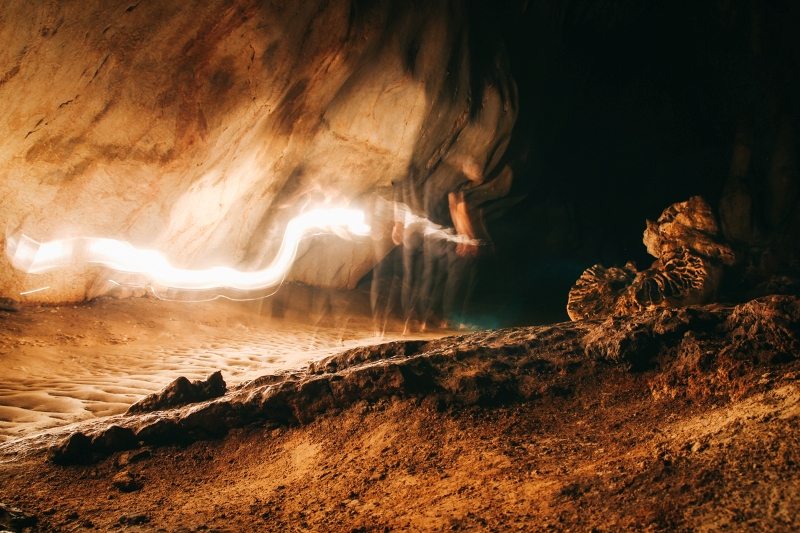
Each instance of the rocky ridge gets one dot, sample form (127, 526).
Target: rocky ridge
(692, 352)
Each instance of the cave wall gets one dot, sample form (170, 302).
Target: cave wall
(200, 128)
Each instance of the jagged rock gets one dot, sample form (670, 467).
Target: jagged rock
(134, 456)
(711, 361)
(686, 242)
(79, 448)
(125, 481)
(180, 392)
(114, 438)
(767, 328)
(204, 422)
(74, 449)
(8, 305)
(14, 519)
(638, 340)
(693, 351)
(366, 354)
(135, 520)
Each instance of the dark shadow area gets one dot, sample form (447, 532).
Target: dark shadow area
(625, 108)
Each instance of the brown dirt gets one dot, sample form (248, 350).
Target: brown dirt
(614, 452)
(614, 460)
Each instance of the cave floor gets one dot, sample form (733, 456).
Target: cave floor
(673, 420)
(65, 364)
(610, 460)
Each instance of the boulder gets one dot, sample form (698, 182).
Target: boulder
(125, 481)
(74, 449)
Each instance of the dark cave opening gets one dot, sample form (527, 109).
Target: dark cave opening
(624, 109)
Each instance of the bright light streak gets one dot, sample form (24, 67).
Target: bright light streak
(431, 229)
(34, 257)
(33, 291)
(404, 214)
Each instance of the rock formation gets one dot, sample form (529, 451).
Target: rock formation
(690, 256)
(585, 424)
(180, 392)
(694, 352)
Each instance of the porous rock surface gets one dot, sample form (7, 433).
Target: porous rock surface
(691, 352)
(690, 257)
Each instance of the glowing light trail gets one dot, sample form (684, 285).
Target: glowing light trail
(34, 257)
(405, 215)
(34, 291)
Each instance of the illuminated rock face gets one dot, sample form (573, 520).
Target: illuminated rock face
(201, 128)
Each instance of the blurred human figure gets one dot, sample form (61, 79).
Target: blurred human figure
(439, 236)
(448, 273)
(397, 274)
(461, 264)
(385, 287)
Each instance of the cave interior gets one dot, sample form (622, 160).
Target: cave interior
(530, 139)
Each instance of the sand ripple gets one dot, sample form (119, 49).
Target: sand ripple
(63, 365)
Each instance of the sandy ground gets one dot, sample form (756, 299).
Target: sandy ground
(66, 364)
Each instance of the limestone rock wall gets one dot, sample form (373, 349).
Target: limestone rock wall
(201, 127)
